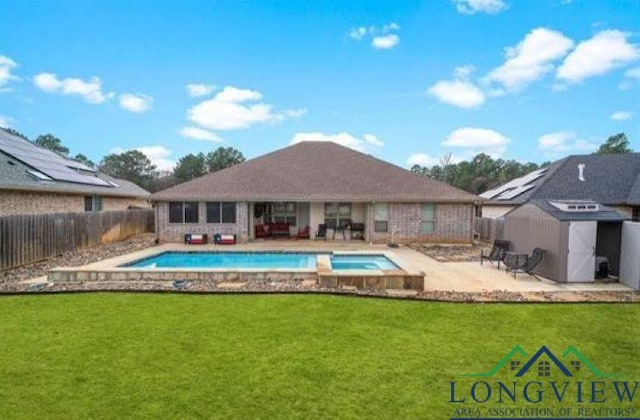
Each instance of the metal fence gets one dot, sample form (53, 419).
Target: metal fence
(489, 229)
(28, 238)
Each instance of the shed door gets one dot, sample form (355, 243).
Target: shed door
(581, 261)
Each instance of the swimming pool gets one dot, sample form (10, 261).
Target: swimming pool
(362, 262)
(227, 260)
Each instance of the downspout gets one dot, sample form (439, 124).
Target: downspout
(370, 222)
(156, 223)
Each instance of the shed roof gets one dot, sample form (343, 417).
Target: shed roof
(604, 214)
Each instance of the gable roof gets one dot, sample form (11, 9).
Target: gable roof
(612, 179)
(45, 167)
(315, 171)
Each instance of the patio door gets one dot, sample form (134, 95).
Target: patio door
(581, 261)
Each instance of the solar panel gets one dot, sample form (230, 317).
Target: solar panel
(47, 161)
(514, 183)
(515, 192)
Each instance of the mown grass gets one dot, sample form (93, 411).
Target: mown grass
(284, 356)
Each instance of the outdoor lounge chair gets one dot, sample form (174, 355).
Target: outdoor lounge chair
(322, 231)
(261, 232)
(496, 253)
(528, 266)
(304, 233)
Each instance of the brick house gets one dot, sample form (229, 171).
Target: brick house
(311, 184)
(36, 180)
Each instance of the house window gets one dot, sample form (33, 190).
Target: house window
(92, 203)
(381, 217)
(284, 212)
(515, 365)
(221, 212)
(544, 368)
(428, 218)
(183, 212)
(337, 214)
(635, 214)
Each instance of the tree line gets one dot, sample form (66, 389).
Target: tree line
(135, 166)
(483, 172)
(476, 176)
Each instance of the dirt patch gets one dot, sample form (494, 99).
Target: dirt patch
(77, 258)
(451, 253)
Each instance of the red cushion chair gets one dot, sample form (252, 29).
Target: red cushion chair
(261, 232)
(304, 233)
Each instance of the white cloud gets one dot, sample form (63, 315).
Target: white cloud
(564, 142)
(531, 59)
(5, 122)
(382, 38)
(199, 89)
(621, 115)
(6, 65)
(235, 109)
(603, 52)
(459, 92)
(136, 102)
(373, 140)
(200, 134)
(478, 140)
(158, 155)
(344, 139)
(422, 159)
(358, 33)
(470, 7)
(90, 90)
(633, 73)
(385, 42)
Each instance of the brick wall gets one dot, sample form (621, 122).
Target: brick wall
(174, 232)
(22, 202)
(453, 224)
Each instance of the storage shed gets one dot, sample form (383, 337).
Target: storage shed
(579, 237)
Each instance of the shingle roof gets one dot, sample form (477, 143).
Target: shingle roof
(14, 176)
(612, 179)
(604, 214)
(315, 171)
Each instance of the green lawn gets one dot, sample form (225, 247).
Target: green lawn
(282, 356)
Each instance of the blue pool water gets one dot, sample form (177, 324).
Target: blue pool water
(362, 262)
(265, 260)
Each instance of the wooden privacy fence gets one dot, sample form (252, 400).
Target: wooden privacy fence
(28, 238)
(489, 229)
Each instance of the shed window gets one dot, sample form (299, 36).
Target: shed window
(381, 217)
(428, 218)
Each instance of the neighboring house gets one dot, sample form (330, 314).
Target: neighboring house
(36, 180)
(609, 179)
(314, 183)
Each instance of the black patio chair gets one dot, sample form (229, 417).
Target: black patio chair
(497, 250)
(528, 266)
(321, 232)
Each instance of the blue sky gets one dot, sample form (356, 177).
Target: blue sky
(407, 81)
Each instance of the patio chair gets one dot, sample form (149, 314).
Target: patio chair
(261, 232)
(304, 233)
(496, 253)
(357, 231)
(529, 265)
(322, 231)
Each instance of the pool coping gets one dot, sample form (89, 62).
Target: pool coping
(113, 269)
